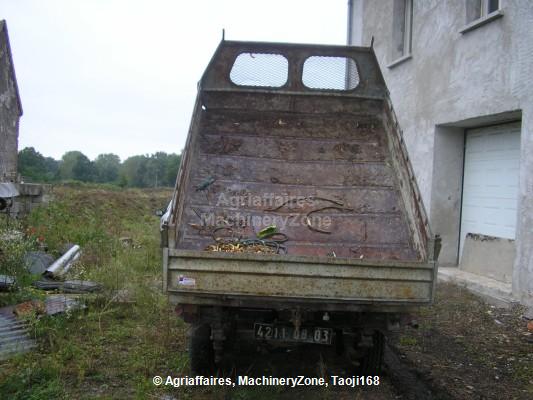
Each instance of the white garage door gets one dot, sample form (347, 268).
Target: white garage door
(490, 185)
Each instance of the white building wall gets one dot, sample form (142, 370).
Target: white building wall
(452, 81)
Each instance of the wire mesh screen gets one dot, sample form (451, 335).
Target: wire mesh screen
(333, 73)
(260, 69)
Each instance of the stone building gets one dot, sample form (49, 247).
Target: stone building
(10, 110)
(460, 76)
(16, 198)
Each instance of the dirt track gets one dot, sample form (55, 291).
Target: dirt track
(463, 349)
(396, 381)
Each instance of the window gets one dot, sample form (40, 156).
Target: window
(481, 12)
(260, 69)
(491, 5)
(402, 26)
(476, 9)
(333, 73)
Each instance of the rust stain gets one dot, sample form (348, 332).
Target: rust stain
(293, 142)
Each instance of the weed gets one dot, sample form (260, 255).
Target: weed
(129, 332)
(14, 244)
(408, 341)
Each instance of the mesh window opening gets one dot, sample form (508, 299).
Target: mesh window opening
(260, 69)
(331, 73)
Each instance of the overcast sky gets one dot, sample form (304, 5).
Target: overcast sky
(119, 76)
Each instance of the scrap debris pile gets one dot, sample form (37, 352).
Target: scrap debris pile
(15, 331)
(268, 241)
(52, 272)
(240, 247)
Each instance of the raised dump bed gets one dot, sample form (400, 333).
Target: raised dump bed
(302, 137)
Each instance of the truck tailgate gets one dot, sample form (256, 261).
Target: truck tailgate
(299, 278)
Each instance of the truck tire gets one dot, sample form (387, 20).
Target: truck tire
(373, 360)
(201, 354)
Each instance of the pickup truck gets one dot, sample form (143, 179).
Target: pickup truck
(296, 216)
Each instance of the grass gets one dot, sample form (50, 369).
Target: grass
(112, 349)
(13, 245)
(407, 341)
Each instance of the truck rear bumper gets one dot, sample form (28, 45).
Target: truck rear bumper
(282, 303)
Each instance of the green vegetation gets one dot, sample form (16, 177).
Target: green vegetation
(37, 167)
(129, 332)
(408, 341)
(13, 245)
(155, 170)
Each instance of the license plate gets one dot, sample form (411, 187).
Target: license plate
(286, 333)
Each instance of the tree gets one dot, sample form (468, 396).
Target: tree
(52, 169)
(107, 167)
(173, 164)
(75, 165)
(149, 170)
(35, 167)
(134, 170)
(159, 169)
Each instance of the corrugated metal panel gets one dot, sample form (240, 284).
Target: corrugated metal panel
(59, 303)
(14, 337)
(7, 189)
(14, 334)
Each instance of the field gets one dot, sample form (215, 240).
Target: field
(109, 350)
(128, 333)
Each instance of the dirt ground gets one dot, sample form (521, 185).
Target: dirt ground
(466, 349)
(462, 349)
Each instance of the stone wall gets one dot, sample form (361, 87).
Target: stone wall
(10, 110)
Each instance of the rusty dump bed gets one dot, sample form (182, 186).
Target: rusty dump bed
(303, 137)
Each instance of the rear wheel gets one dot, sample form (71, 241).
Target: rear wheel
(372, 361)
(201, 354)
